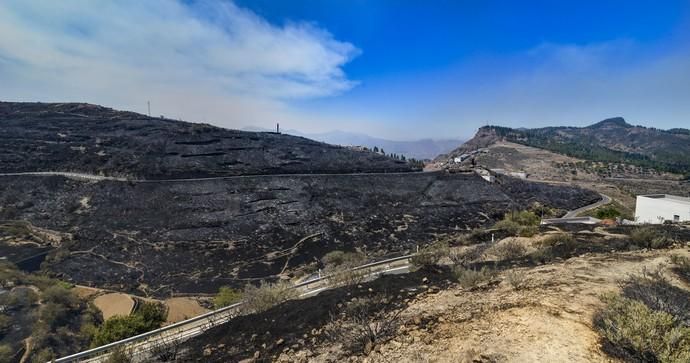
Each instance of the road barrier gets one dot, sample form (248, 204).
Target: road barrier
(188, 329)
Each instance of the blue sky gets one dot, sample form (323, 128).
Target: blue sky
(394, 69)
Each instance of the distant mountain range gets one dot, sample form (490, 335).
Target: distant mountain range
(611, 140)
(418, 149)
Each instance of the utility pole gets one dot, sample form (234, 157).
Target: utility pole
(148, 103)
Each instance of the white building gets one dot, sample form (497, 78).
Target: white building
(657, 208)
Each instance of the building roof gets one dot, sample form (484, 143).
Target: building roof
(668, 197)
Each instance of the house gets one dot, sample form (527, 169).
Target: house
(658, 208)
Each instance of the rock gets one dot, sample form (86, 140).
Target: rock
(257, 354)
(280, 341)
(425, 280)
(208, 352)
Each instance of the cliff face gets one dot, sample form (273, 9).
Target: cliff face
(99, 140)
(157, 237)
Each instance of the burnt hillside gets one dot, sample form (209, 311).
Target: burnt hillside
(94, 139)
(159, 237)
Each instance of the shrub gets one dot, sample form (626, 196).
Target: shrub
(634, 331)
(430, 255)
(43, 355)
(657, 293)
(523, 218)
(340, 258)
(6, 353)
(267, 295)
(557, 245)
(149, 316)
(226, 296)
(119, 355)
(523, 223)
(609, 212)
(5, 324)
(510, 227)
(470, 278)
(517, 279)
(508, 250)
(528, 231)
(682, 266)
(363, 323)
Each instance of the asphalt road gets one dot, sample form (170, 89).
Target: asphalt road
(605, 199)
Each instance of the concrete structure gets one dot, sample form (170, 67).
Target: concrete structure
(658, 208)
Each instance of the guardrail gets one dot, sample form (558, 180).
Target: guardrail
(223, 315)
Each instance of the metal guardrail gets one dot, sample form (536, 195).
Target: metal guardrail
(102, 350)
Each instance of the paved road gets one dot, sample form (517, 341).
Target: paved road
(80, 176)
(605, 199)
(92, 177)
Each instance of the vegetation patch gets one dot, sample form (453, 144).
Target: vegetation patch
(523, 223)
(635, 332)
(267, 295)
(649, 321)
(148, 316)
(470, 278)
(681, 266)
(226, 296)
(45, 310)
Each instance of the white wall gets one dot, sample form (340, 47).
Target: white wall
(649, 210)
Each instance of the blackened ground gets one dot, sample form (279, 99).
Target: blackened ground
(94, 139)
(193, 237)
(298, 324)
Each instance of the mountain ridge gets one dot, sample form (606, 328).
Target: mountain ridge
(610, 140)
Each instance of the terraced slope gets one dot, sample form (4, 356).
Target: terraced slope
(194, 236)
(94, 139)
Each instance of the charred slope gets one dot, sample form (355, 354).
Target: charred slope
(611, 140)
(95, 139)
(158, 237)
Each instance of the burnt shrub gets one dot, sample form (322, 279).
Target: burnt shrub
(363, 323)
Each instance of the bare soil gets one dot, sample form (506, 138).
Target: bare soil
(114, 304)
(182, 308)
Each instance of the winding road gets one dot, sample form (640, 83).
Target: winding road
(605, 199)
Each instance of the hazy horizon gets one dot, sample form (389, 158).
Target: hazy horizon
(392, 70)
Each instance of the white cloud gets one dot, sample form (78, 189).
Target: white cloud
(205, 61)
